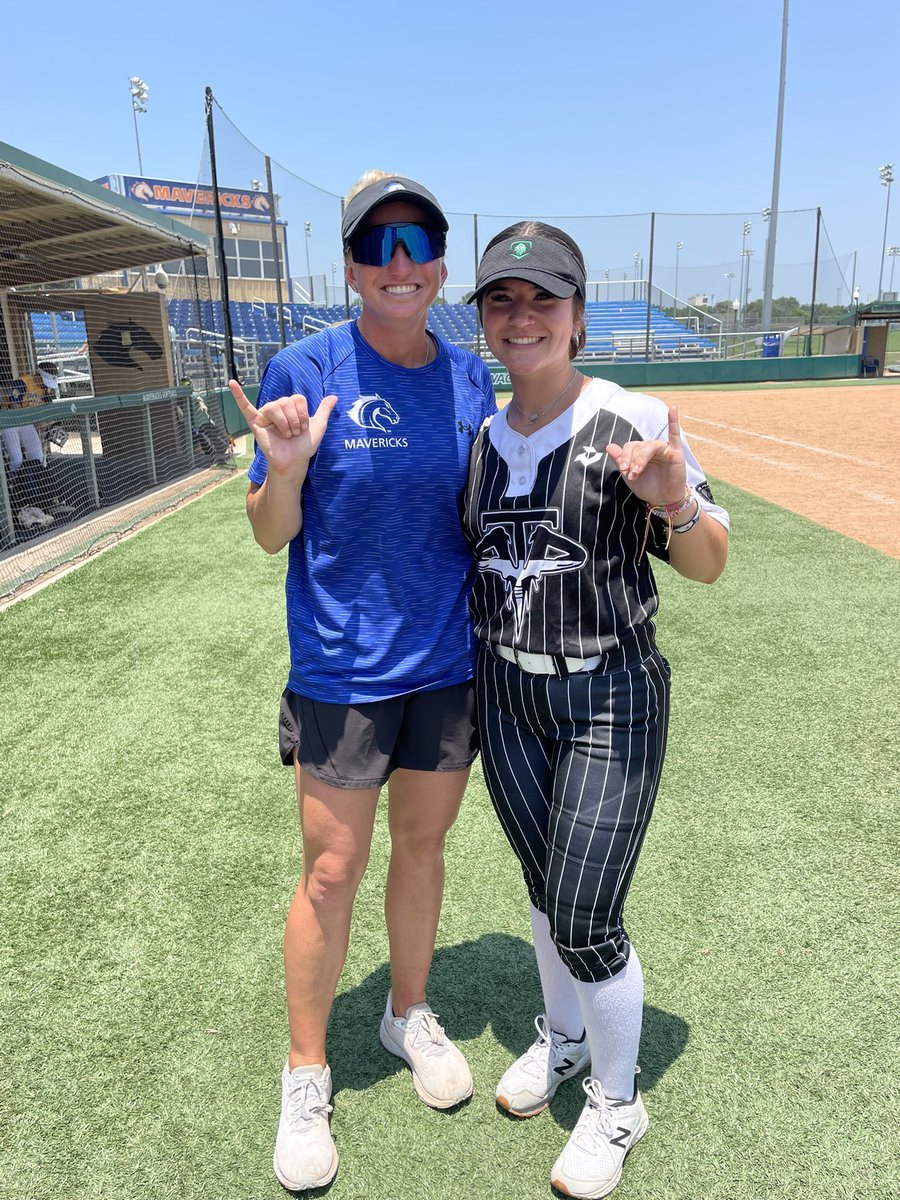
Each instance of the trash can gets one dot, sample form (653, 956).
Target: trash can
(771, 345)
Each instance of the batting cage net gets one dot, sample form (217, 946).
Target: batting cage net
(111, 406)
(699, 276)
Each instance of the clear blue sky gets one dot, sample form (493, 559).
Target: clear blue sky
(523, 109)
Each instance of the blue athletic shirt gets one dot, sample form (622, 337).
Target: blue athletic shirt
(379, 576)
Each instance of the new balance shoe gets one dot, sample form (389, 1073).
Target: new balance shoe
(32, 515)
(26, 518)
(590, 1166)
(529, 1085)
(305, 1154)
(440, 1074)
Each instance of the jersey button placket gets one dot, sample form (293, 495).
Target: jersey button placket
(526, 462)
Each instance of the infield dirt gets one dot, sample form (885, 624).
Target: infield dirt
(831, 454)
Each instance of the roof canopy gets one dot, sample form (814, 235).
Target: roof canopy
(879, 310)
(56, 226)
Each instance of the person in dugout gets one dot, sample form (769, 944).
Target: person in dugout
(36, 503)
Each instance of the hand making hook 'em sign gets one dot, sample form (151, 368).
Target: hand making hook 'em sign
(285, 432)
(654, 469)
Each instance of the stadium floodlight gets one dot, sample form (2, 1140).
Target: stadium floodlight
(766, 213)
(139, 93)
(887, 178)
(893, 251)
(679, 246)
(255, 185)
(729, 275)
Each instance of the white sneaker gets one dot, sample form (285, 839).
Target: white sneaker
(529, 1085)
(31, 515)
(305, 1154)
(591, 1163)
(440, 1074)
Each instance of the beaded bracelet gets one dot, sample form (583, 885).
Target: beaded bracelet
(668, 511)
(672, 510)
(689, 525)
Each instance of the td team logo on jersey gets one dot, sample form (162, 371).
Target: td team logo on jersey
(524, 547)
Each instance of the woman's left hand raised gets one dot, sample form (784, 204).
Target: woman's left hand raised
(654, 469)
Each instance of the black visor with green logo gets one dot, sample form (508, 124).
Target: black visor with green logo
(537, 259)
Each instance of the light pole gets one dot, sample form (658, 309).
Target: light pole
(769, 264)
(887, 178)
(748, 254)
(637, 258)
(893, 251)
(748, 225)
(729, 275)
(307, 230)
(139, 93)
(679, 246)
(334, 283)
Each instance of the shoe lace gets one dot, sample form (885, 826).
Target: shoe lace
(425, 1031)
(596, 1122)
(547, 1050)
(306, 1103)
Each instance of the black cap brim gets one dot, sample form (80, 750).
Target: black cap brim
(562, 288)
(390, 190)
(536, 258)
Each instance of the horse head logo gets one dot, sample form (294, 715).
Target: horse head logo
(116, 343)
(373, 412)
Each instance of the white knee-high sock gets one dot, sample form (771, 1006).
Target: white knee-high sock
(557, 982)
(612, 1011)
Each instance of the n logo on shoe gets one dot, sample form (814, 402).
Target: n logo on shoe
(622, 1140)
(565, 1065)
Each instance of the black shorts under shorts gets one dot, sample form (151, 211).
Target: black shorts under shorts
(359, 745)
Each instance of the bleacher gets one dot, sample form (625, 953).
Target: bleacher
(616, 330)
(57, 327)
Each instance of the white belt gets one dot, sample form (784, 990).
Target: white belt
(546, 664)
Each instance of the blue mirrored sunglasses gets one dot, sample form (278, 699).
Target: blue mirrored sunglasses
(375, 247)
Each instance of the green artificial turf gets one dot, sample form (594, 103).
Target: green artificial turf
(148, 851)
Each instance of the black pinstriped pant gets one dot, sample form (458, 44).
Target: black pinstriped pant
(573, 768)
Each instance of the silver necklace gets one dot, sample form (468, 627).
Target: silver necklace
(533, 418)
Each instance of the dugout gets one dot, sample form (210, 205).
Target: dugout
(56, 230)
(873, 323)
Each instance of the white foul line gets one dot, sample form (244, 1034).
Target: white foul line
(768, 437)
(875, 497)
(770, 462)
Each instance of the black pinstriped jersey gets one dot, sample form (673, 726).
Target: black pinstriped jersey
(557, 532)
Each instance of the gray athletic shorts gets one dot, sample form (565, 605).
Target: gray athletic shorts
(359, 745)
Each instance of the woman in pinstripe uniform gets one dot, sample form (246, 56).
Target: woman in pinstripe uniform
(569, 488)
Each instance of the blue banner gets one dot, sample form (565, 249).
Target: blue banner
(190, 199)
